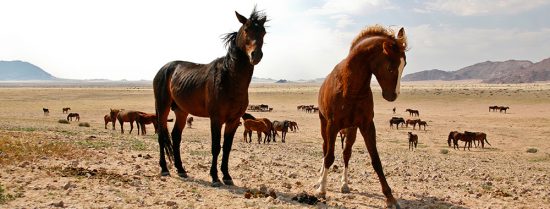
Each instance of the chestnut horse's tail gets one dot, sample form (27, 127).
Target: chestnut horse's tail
(163, 102)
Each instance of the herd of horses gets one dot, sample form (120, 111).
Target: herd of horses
(308, 108)
(413, 122)
(267, 127)
(499, 108)
(259, 108)
(64, 110)
(468, 137)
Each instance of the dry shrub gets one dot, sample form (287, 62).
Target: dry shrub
(64, 121)
(532, 150)
(84, 124)
(29, 147)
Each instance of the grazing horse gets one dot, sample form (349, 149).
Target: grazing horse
(413, 141)
(396, 121)
(412, 112)
(144, 119)
(114, 113)
(190, 122)
(480, 137)
(257, 125)
(107, 119)
(282, 127)
(46, 111)
(411, 122)
(422, 123)
(293, 126)
(128, 116)
(66, 109)
(72, 115)
(346, 100)
(493, 108)
(502, 108)
(218, 90)
(456, 136)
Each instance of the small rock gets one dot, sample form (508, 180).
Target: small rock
(69, 185)
(58, 204)
(118, 183)
(263, 189)
(147, 156)
(139, 155)
(171, 203)
(292, 175)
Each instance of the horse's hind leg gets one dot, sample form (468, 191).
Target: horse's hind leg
(229, 133)
(368, 131)
(179, 125)
(351, 136)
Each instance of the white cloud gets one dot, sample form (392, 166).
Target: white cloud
(481, 7)
(353, 7)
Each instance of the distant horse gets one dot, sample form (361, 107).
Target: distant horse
(479, 137)
(422, 123)
(396, 121)
(256, 125)
(144, 119)
(281, 126)
(502, 108)
(114, 113)
(107, 119)
(293, 126)
(190, 122)
(493, 108)
(46, 111)
(413, 112)
(413, 141)
(218, 90)
(128, 116)
(393, 110)
(411, 122)
(455, 136)
(346, 100)
(66, 109)
(72, 115)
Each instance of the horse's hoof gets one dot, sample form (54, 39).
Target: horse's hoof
(345, 189)
(393, 204)
(320, 194)
(216, 184)
(183, 175)
(228, 182)
(165, 173)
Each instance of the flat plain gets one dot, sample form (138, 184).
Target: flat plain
(47, 164)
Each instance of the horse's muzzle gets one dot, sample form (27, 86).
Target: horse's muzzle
(256, 57)
(390, 96)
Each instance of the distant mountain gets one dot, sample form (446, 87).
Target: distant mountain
(511, 71)
(22, 71)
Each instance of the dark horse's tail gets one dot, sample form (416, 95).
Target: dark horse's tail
(449, 138)
(162, 103)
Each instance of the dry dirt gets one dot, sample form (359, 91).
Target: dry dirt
(46, 164)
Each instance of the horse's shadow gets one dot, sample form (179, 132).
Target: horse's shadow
(420, 201)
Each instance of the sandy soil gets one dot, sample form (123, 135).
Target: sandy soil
(46, 164)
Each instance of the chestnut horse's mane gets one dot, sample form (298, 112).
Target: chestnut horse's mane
(379, 30)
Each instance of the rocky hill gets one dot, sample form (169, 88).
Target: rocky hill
(22, 71)
(511, 71)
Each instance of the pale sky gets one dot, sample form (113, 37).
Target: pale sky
(305, 39)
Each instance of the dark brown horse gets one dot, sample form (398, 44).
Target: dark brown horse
(396, 121)
(218, 90)
(479, 137)
(72, 115)
(502, 108)
(114, 113)
(413, 112)
(190, 122)
(493, 108)
(413, 141)
(66, 109)
(281, 126)
(46, 111)
(346, 99)
(412, 122)
(422, 123)
(455, 136)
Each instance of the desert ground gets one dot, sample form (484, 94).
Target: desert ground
(47, 164)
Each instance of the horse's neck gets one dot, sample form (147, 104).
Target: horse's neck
(356, 77)
(239, 70)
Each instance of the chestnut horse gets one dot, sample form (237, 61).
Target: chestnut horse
(346, 99)
(107, 119)
(256, 125)
(218, 90)
(144, 119)
(66, 109)
(126, 116)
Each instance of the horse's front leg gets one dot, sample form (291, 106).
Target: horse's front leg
(368, 131)
(351, 136)
(131, 127)
(215, 130)
(229, 133)
(328, 145)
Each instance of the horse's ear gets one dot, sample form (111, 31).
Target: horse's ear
(241, 18)
(401, 33)
(387, 48)
(262, 20)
